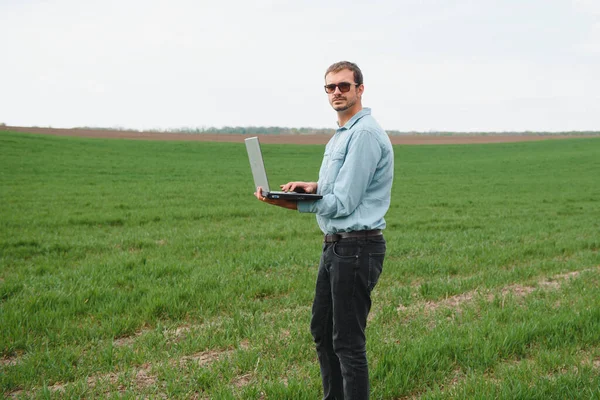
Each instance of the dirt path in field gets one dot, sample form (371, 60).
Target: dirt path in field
(283, 139)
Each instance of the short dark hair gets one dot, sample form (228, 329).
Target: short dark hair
(338, 66)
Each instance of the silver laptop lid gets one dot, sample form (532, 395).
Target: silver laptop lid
(256, 163)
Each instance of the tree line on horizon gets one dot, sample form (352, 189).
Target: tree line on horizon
(278, 130)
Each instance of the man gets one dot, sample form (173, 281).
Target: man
(355, 181)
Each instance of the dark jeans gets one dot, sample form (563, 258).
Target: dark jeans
(348, 272)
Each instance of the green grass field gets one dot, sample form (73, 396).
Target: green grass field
(125, 272)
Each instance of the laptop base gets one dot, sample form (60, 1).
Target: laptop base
(293, 196)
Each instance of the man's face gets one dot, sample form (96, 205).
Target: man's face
(343, 101)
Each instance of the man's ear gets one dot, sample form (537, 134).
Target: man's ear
(360, 89)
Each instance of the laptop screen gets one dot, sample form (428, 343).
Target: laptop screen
(256, 164)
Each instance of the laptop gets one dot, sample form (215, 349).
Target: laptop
(260, 175)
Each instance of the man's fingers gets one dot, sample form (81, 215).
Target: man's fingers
(286, 187)
(258, 194)
(292, 186)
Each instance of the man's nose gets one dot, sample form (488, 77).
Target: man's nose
(337, 90)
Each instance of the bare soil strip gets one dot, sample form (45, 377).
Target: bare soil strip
(517, 290)
(8, 361)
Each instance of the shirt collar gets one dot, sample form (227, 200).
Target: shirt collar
(355, 118)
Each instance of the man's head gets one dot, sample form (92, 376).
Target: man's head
(344, 86)
(338, 66)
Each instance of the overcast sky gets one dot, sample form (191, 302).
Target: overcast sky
(446, 65)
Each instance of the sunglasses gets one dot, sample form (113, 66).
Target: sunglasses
(343, 86)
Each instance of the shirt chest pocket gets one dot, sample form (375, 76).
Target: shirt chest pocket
(334, 162)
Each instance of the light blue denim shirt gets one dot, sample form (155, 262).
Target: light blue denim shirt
(355, 178)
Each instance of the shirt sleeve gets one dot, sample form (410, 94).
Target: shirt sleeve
(351, 184)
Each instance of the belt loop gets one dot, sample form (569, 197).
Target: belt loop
(331, 238)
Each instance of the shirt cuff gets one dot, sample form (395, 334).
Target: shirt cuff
(306, 206)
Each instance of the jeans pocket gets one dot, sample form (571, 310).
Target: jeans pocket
(346, 249)
(375, 269)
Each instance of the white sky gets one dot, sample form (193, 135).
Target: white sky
(448, 65)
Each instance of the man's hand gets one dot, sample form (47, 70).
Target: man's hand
(290, 204)
(300, 187)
